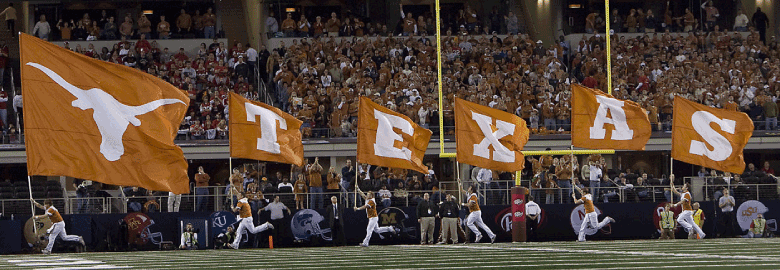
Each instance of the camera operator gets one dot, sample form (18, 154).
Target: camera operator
(223, 239)
(189, 238)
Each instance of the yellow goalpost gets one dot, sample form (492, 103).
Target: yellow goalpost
(444, 154)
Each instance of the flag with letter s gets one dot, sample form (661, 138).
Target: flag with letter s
(710, 137)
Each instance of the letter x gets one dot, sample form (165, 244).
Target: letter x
(500, 152)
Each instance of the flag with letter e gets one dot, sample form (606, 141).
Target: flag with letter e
(390, 139)
(710, 137)
(262, 132)
(489, 138)
(600, 121)
(95, 120)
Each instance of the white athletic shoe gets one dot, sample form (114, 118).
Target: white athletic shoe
(362, 245)
(270, 226)
(702, 235)
(611, 220)
(479, 237)
(441, 243)
(493, 239)
(46, 252)
(81, 241)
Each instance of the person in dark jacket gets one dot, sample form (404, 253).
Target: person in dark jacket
(426, 215)
(448, 212)
(335, 214)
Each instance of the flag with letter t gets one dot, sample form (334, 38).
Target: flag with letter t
(262, 132)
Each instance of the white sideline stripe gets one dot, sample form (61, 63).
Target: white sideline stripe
(603, 252)
(42, 260)
(86, 267)
(56, 263)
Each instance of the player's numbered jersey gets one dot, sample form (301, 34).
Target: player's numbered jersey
(371, 209)
(246, 210)
(475, 206)
(588, 202)
(54, 215)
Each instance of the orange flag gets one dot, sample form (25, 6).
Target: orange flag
(262, 132)
(390, 139)
(95, 120)
(600, 121)
(710, 137)
(489, 138)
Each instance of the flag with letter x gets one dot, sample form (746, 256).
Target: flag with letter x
(489, 138)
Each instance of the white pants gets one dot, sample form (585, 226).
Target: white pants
(248, 225)
(174, 200)
(686, 220)
(591, 219)
(373, 226)
(474, 220)
(58, 229)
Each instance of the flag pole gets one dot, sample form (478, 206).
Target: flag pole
(460, 186)
(32, 204)
(230, 163)
(357, 176)
(671, 172)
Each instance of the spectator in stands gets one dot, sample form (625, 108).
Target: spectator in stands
(183, 22)
(42, 29)
(109, 31)
(197, 24)
(333, 25)
(727, 218)
(333, 179)
(303, 26)
(767, 169)
(126, 29)
(136, 198)
(288, 26)
(163, 28)
(760, 21)
(10, 18)
(144, 27)
(741, 21)
(385, 196)
(712, 15)
(271, 25)
(209, 24)
(757, 227)
(650, 22)
(18, 106)
(65, 30)
(201, 190)
(314, 172)
(299, 190)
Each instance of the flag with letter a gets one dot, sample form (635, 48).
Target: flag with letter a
(262, 132)
(710, 137)
(600, 121)
(95, 120)
(489, 138)
(390, 139)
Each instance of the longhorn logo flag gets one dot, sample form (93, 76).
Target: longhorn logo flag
(489, 138)
(709, 137)
(262, 132)
(600, 121)
(390, 139)
(78, 116)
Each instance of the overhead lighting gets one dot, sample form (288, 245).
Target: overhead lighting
(575, 5)
(289, 10)
(148, 12)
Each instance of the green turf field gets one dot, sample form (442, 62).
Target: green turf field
(637, 254)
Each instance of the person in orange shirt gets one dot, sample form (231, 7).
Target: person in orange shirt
(373, 219)
(246, 221)
(58, 227)
(685, 218)
(591, 217)
(299, 189)
(474, 219)
(314, 172)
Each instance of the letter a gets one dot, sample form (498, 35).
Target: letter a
(622, 132)
(268, 141)
(721, 147)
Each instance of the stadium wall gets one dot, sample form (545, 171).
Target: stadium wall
(558, 222)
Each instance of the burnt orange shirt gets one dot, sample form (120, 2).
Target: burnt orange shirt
(588, 202)
(53, 214)
(244, 210)
(686, 197)
(475, 206)
(371, 209)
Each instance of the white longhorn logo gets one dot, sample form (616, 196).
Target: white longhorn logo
(111, 116)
